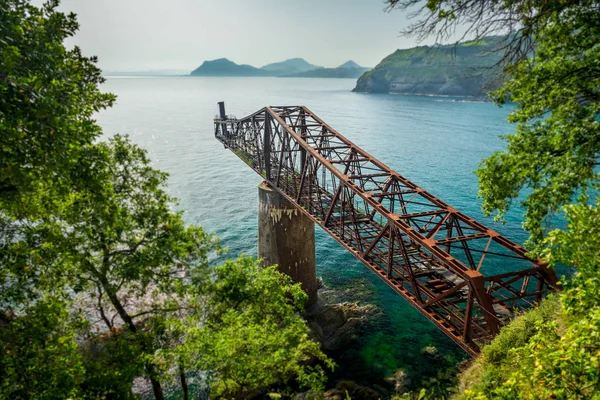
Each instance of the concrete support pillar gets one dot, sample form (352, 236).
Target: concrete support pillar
(286, 237)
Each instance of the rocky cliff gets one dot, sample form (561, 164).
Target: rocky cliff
(466, 69)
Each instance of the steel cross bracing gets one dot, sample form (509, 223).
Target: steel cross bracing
(442, 261)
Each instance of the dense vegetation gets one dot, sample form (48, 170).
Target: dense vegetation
(436, 70)
(101, 282)
(551, 166)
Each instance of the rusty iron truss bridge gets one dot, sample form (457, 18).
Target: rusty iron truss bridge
(444, 263)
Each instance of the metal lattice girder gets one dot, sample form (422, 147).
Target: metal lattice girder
(436, 257)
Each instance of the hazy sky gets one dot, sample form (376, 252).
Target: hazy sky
(129, 35)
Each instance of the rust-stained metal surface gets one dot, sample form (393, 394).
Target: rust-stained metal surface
(439, 259)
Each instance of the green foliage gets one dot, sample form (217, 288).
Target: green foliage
(39, 356)
(44, 356)
(496, 363)
(48, 96)
(96, 270)
(111, 361)
(118, 252)
(554, 154)
(468, 54)
(555, 149)
(546, 354)
(244, 285)
(519, 332)
(134, 257)
(249, 335)
(127, 235)
(579, 245)
(566, 364)
(553, 64)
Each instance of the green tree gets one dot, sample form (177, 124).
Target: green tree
(133, 267)
(555, 150)
(39, 358)
(553, 351)
(118, 252)
(95, 265)
(248, 336)
(111, 360)
(124, 247)
(552, 60)
(48, 97)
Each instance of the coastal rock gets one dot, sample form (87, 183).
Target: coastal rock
(400, 381)
(371, 82)
(348, 388)
(337, 325)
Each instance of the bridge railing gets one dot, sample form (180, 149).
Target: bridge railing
(446, 264)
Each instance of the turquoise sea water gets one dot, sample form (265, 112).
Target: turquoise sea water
(435, 141)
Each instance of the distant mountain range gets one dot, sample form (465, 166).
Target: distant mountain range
(349, 69)
(291, 66)
(466, 69)
(294, 67)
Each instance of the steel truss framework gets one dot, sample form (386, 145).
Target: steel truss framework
(441, 261)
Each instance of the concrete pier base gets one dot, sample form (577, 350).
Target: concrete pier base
(286, 237)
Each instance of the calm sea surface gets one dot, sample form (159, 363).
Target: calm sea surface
(436, 142)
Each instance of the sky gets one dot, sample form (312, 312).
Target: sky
(143, 35)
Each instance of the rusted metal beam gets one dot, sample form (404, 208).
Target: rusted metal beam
(397, 243)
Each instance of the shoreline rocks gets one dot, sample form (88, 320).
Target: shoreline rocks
(337, 324)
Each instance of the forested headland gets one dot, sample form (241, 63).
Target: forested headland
(465, 69)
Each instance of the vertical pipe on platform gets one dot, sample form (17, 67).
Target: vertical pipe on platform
(223, 117)
(267, 145)
(286, 237)
(222, 114)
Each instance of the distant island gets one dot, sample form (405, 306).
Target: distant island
(224, 67)
(292, 68)
(289, 67)
(436, 70)
(349, 69)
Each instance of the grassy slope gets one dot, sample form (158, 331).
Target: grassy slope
(495, 364)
